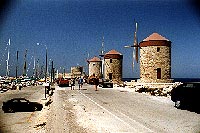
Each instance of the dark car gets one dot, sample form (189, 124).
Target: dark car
(187, 95)
(21, 105)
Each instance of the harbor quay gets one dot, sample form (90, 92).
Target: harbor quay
(157, 89)
(85, 110)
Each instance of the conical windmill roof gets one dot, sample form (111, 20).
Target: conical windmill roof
(155, 36)
(94, 59)
(113, 52)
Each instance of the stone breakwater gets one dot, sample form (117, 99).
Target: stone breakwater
(157, 89)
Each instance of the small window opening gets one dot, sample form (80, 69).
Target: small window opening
(158, 49)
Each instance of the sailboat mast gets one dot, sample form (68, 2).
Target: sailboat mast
(34, 66)
(7, 61)
(102, 46)
(24, 70)
(17, 65)
(102, 57)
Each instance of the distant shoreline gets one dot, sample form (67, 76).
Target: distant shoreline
(175, 79)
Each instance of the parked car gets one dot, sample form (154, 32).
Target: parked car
(187, 95)
(21, 105)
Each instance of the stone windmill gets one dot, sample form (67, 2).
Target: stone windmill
(95, 66)
(155, 59)
(113, 66)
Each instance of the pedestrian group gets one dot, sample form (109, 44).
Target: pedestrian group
(95, 80)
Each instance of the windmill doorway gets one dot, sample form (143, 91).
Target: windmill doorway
(158, 73)
(110, 76)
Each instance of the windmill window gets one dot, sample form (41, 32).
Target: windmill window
(110, 60)
(158, 49)
(94, 64)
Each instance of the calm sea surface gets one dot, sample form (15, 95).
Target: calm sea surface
(175, 79)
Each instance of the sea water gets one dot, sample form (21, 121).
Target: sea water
(174, 79)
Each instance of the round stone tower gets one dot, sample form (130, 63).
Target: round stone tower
(113, 66)
(155, 59)
(95, 67)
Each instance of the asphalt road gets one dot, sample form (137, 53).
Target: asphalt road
(102, 111)
(20, 121)
(109, 110)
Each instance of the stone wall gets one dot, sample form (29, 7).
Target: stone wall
(95, 68)
(115, 68)
(152, 58)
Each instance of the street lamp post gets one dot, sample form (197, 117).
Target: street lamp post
(63, 72)
(46, 65)
(52, 72)
(46, 74)
(46, 85)
(35, 63)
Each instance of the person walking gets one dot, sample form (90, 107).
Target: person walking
(96, 83)
(72, 82)
(80, 82)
